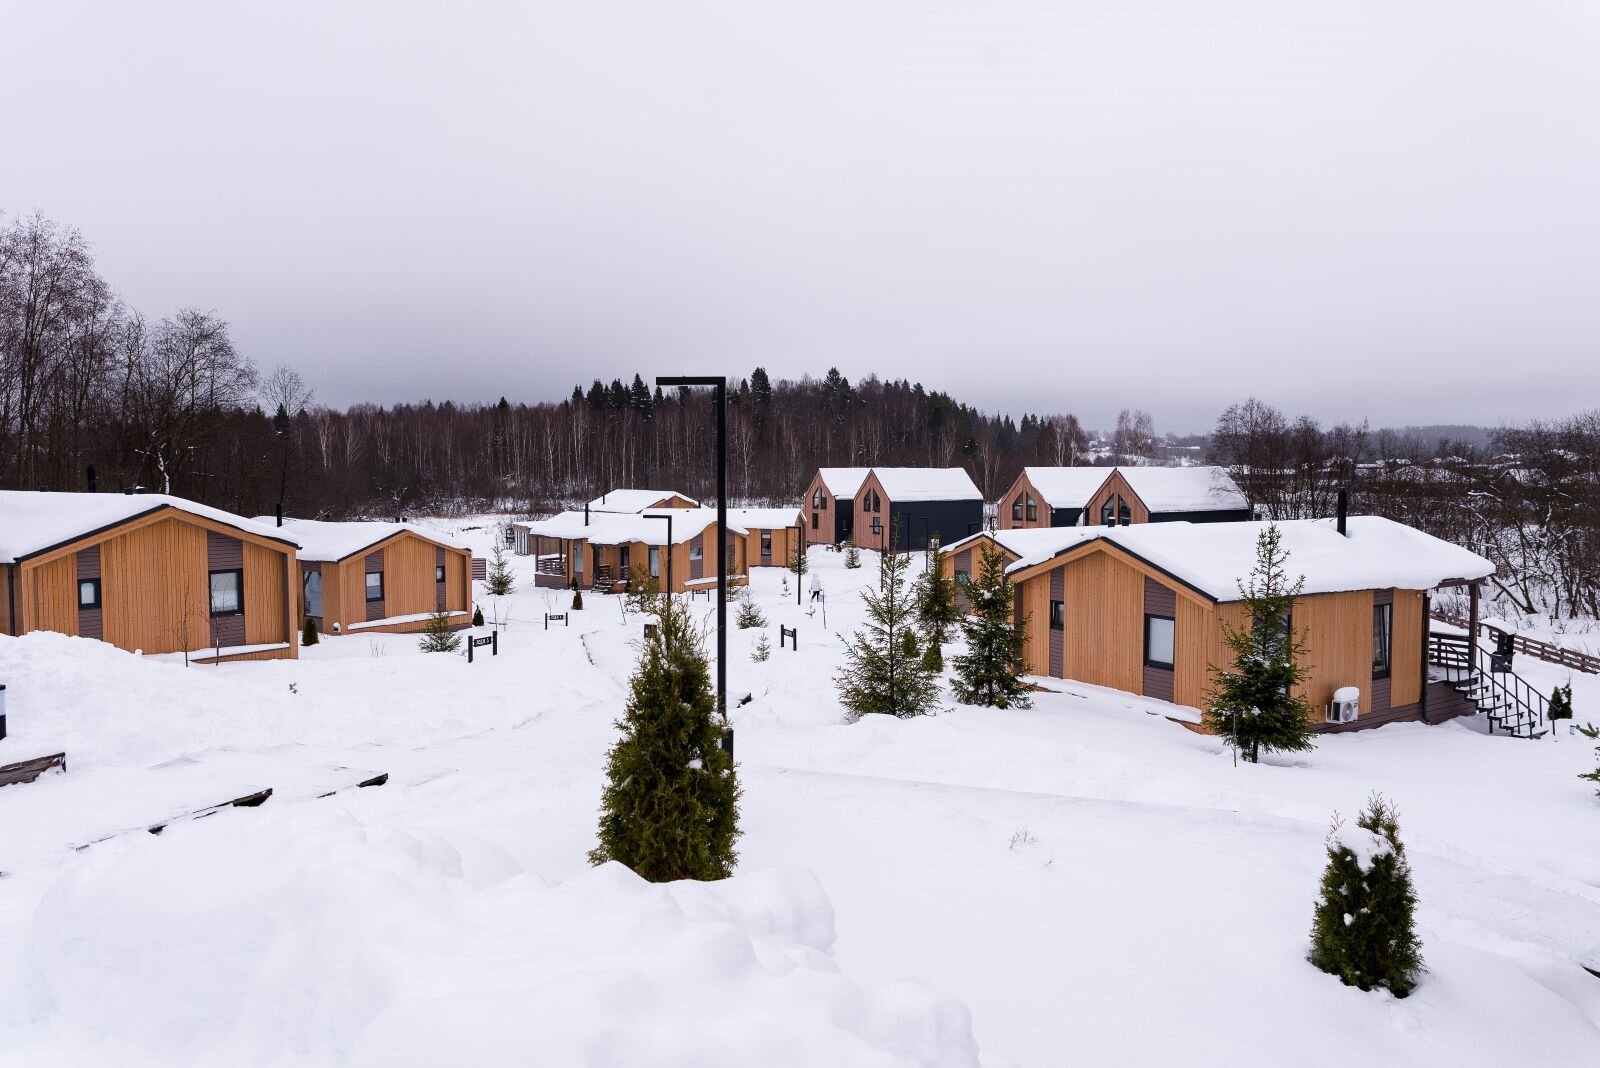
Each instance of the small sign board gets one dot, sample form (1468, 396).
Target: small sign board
(492, 641)
(559, 617)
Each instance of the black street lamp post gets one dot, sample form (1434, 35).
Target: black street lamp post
(720, 384)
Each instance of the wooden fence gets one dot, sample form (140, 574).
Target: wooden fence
(1553, 654)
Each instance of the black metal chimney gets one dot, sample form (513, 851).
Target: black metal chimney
(280, 513)
(1344, 508)
(585, 513)
(92, 478)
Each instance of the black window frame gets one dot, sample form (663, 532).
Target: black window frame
(438, 572)
(1386, 613)
(766, 543)
(819, 500)
(1166, 665)
(1124, 513)
(368, 586)
(1108, 512)
(1016, 510)
(94, 584)
(1033, 509)
(813, 520)
(877, 527)
(1058, 615)
(211, 593)
(963, 577)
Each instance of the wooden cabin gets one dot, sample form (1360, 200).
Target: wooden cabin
(1073, 496)
(916, 506)
(828, 508)
(149, 573)
(1142, 608)
(771, 534)
(367, 578)
(600, 550)
(618, 502)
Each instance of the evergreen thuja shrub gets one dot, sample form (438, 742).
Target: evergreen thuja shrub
(1364, 929)
(477, 616)
(308, 633)
(670, 809)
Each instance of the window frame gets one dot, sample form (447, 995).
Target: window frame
(211, 592)
(696, 552)
(93, 584)
(963, 577)
(813, 520)
(1168, 665)
(1108, 512)
(766, 543)
(1016, 510)
(1386, 613)
(438, 573)
(1033, 509)
(877, 527)
(367, 580)
(1058, 615)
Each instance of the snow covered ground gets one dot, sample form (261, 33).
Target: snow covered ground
(1084, 882)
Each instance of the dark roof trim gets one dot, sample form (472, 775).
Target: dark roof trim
(162, 507)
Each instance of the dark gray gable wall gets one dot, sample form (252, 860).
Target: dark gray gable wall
(949, 521)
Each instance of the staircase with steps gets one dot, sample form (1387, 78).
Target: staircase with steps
(1507, 700)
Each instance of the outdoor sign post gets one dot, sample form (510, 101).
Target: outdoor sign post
(492, 641)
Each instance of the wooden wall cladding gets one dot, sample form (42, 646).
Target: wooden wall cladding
(88, 566)
(1406, 654)
(155, 588)
(1105, 642)
(266, 596)
(1337, 630)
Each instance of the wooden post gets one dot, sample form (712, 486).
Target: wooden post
(1472, 626)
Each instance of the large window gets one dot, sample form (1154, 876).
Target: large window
(438, 572)
(766, 543)
(819, 500)
(1159, 635)
(813, 521)
(655, 561)
(1382, 639)
(877, 526)
(1033, 508)
(1016, 510)
(374, 585)
(311, 587)
(227, 593)
(1058, 615)
(88, 593)
(696, 552)
(963, 577)
(1108, 512)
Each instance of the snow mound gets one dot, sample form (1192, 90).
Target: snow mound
(319, 939)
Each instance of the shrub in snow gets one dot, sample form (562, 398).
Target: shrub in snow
(798, 564)
(1254, 705)
(1593, 776)
(1560, 703)
(936, 601)
(883, 670)
(308, 633)
(762, 649)
(500, 581)
(750, 614)
(933, 659)
(991, 671)
(852, 555)
(577, 598)
(1364, 930)
(437, 637)
(477, 616)
(643, 590)
(671, 804)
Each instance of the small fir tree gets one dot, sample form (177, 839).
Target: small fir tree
(762, 649)
(852, 554)
(437, 637)
(477, 615)
(883, 672)
(308, 633)
(577, 597)
(1593, 776)
(1254, 704)
(670, 806)
(937, 610)
(1560, 706)
(798, 564)
(500, 580)
(786, 586)
(991, 672)
(933, 659)
(643, 591)
(750, 614)
(1364, 930)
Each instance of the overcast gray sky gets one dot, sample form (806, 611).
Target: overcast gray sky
(1362, 208)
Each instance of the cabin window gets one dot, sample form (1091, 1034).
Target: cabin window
(766, 543)
(1058, 615)
(374, 585)
(1108, 512)
(1124, 513)
(813, 521)
(963, 577)
(1159, 635)
(227, 593)
(311, 588)
(1033, 508)
(696, 552)
(655, 561)
(438, 572)
(89, 593)
(1382, 639)
(1016, 510)
(877, 526)
(819, 500)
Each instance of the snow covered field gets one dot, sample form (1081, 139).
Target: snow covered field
(1085, 882)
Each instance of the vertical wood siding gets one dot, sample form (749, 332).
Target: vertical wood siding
(1337, 628)
(1198, 645)
(88, 565)
(1058, 592)
(1160, 600)
(374, 561)
(961, 561)
(267, 596)
(5, 600)
(1022, 489)
(1410, 644)
(1114, 485)
(865, 538)
(1105, 643)
(52, 590)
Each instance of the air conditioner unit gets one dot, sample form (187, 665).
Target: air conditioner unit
(1345, 706)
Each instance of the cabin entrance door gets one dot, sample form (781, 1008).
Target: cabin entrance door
(312, 591)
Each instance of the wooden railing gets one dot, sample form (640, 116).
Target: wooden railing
(1552, 654)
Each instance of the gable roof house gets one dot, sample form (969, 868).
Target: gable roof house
(916, 506)
(1068, 496)
(601, 550)
(147, 572)
(635, 501)
(1142, 607)
(770, 534)
(379, 577)
(828, 508)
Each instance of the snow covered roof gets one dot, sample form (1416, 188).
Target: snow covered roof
(1030, 541)
(1213, 557)
(1184, 489)
(927, 484)
(32, 522)
(634, 501)
(843, 481)
(1067, 487)
(611, 528)
(763, 518)
(329, 542)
